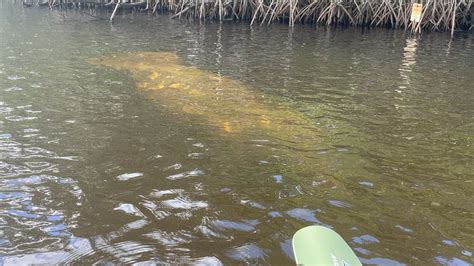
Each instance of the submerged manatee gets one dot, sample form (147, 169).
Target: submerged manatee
(228, 105)
(221, 101)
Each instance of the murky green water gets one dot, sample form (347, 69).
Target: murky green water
(95, 166)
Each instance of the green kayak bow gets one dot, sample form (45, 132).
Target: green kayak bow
(319, 245)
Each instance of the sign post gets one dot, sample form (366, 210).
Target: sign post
(416, 12)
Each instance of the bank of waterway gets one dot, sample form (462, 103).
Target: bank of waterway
(413, 16)
(101, 162)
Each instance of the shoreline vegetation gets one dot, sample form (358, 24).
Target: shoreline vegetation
(436, 15)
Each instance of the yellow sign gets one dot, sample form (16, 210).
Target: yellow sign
(416, 12)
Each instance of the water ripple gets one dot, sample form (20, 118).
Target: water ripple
(192, 173)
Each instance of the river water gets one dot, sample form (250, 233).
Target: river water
(369, 132)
